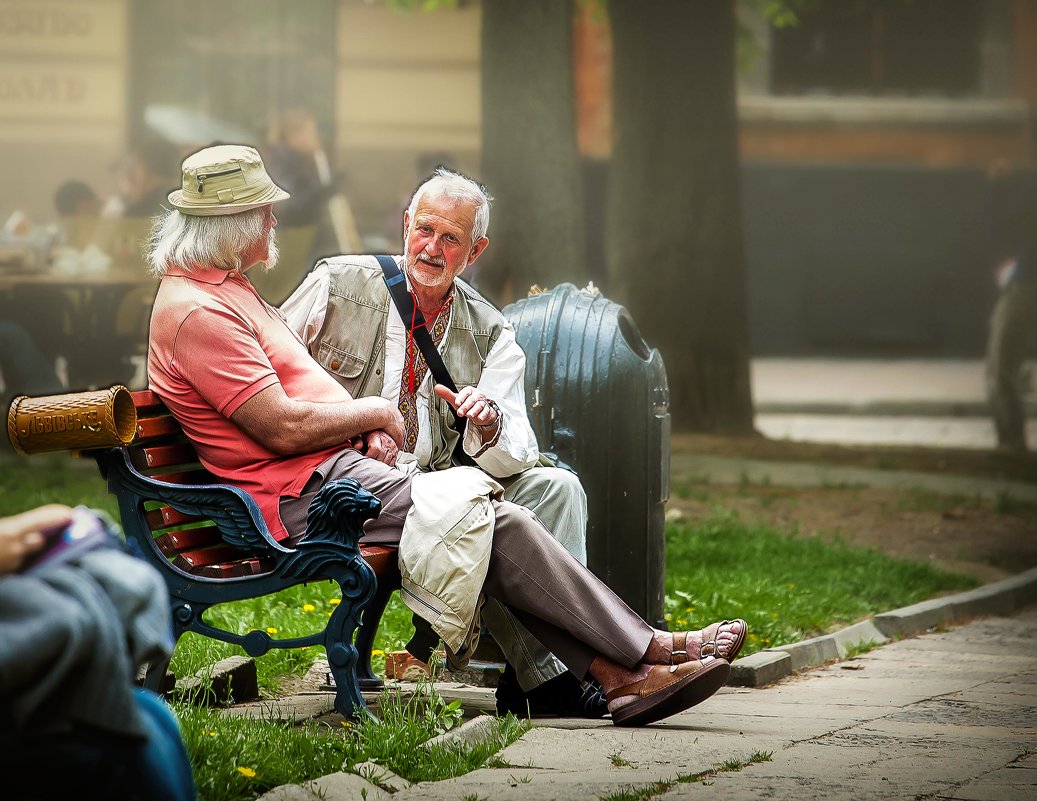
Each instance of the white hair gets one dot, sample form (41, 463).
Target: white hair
(184, 240)
(454, 185)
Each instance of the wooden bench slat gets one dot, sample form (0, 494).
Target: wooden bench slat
(166, 516)
(381, 558)
(175, 542)
(245, 567)
(146, 399)
(177, 453)
(203, 557)
(195, 477)
(154, 427)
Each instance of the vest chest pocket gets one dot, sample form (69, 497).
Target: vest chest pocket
(346, 367)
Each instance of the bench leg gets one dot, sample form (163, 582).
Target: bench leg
(365, 635)
(342, 661)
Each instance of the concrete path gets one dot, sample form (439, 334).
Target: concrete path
(879, 401)
(948, 715)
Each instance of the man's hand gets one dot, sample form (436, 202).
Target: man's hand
(393, 426)
(379, 445)
(469, 402)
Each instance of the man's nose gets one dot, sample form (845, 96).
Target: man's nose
(433, 245)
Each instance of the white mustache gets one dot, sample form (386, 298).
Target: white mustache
(437, 260)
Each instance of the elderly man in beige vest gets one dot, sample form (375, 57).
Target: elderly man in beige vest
(345, 316)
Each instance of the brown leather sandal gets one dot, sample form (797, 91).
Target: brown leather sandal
(669, 689)
(679, 655)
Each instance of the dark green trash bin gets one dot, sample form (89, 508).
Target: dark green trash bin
(599, 400)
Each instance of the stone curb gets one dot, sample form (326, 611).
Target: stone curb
(1000, 598)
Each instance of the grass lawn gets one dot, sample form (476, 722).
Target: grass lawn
(786, 587)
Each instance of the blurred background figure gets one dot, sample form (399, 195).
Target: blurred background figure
(75, 198)
(1012, 230)
(298, 159)
(316, 221)
(303, 169)
(78, 208)
(143, 179)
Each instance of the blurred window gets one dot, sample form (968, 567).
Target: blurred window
(880, 47)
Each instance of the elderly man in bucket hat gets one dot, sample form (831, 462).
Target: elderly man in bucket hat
(265, 416)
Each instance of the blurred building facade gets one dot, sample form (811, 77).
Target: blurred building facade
(865, 130)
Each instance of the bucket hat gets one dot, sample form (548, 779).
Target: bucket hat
(224, 179)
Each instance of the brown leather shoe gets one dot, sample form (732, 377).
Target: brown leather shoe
(669, 689)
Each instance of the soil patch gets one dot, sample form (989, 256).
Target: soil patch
(989, 539)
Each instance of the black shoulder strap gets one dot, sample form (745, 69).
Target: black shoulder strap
(405, 305)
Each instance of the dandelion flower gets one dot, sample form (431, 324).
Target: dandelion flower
(248, 773)
(377, 652)
(335, 601)
(271, 630)
(309, 608)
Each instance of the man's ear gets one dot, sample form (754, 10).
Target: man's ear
(477, 249)
(406, 225)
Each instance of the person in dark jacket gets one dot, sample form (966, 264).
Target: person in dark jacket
(74, 629)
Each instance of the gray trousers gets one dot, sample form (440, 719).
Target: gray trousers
(1013, 333)
(556, 497)
(567, 608)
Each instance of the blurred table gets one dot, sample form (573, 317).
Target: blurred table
(77, 315)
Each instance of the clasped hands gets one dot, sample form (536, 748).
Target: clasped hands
(468, 402)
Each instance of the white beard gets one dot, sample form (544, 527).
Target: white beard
(273, 252)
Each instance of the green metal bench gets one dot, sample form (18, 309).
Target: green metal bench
(212, 546)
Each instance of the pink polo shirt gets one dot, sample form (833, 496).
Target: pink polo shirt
(215, 343)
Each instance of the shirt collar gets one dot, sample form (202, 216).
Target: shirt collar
(205, 274)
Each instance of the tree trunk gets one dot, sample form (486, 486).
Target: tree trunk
(674, 232)
(529, 159)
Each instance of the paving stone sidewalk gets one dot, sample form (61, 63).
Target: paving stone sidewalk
(946, 715)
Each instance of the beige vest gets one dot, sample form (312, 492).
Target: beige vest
(351, 343)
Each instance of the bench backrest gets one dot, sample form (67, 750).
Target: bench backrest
(161, 451)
